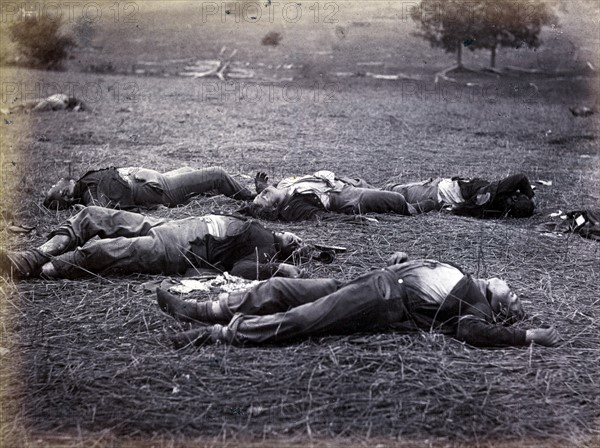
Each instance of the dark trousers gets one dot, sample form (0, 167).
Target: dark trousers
(283, 309)
(417, 191)
(177, 187)
(353, 200)
(128, 243)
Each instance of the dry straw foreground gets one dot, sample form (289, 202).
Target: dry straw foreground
(87, 362)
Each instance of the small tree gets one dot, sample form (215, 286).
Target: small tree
(510, 24)
(482, 24)
(445, 24)
(40, 41)
(272, 39)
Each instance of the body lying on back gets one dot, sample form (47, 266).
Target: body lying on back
(133, 187)
(323, 194)
(425, 295)
(511, 196)
(133, 243)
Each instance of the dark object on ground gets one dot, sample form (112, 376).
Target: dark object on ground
(585, 223)
(581, 111)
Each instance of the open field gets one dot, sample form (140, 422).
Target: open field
(88, 361)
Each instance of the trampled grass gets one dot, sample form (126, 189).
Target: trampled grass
(88, 362)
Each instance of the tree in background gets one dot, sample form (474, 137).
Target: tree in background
(482, 24)
(40, 41)
(272, 39)
(510, 24)
(445, 24)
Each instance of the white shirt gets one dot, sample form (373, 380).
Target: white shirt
(431, 280)
(216, 224)
(320, 183)
(449, 192)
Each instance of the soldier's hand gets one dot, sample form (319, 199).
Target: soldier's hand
(397, 258)
(261, 181)
(287, 270)
(548, 337)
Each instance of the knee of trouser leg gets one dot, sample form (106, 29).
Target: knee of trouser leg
(91, 212)
(276, 283)
(91, 209)
(272, 286)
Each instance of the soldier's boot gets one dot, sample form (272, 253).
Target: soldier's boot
(195, 337)
(189, 311)
(55, 245)
(22, 264)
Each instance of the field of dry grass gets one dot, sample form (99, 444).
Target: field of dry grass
(87, 362)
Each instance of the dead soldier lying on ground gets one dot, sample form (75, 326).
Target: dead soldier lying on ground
(133, 243)
(480, 198)
(128, 188)
(323, 194)
(58, 101)
(405, 296)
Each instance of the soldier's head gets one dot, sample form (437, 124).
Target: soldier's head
(519, 205)
(61, 195)
(270, 197)
(286, 244)
(266, 204)
(504, 302)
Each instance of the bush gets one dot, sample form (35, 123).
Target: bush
(40, 41)
(272, 38)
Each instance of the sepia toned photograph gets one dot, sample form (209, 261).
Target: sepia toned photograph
(346, 223)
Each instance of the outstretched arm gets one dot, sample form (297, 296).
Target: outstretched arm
(305, 207)
(479, 333)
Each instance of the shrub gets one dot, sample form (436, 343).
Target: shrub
(40, 41)
(272, 38)
(482, 24)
